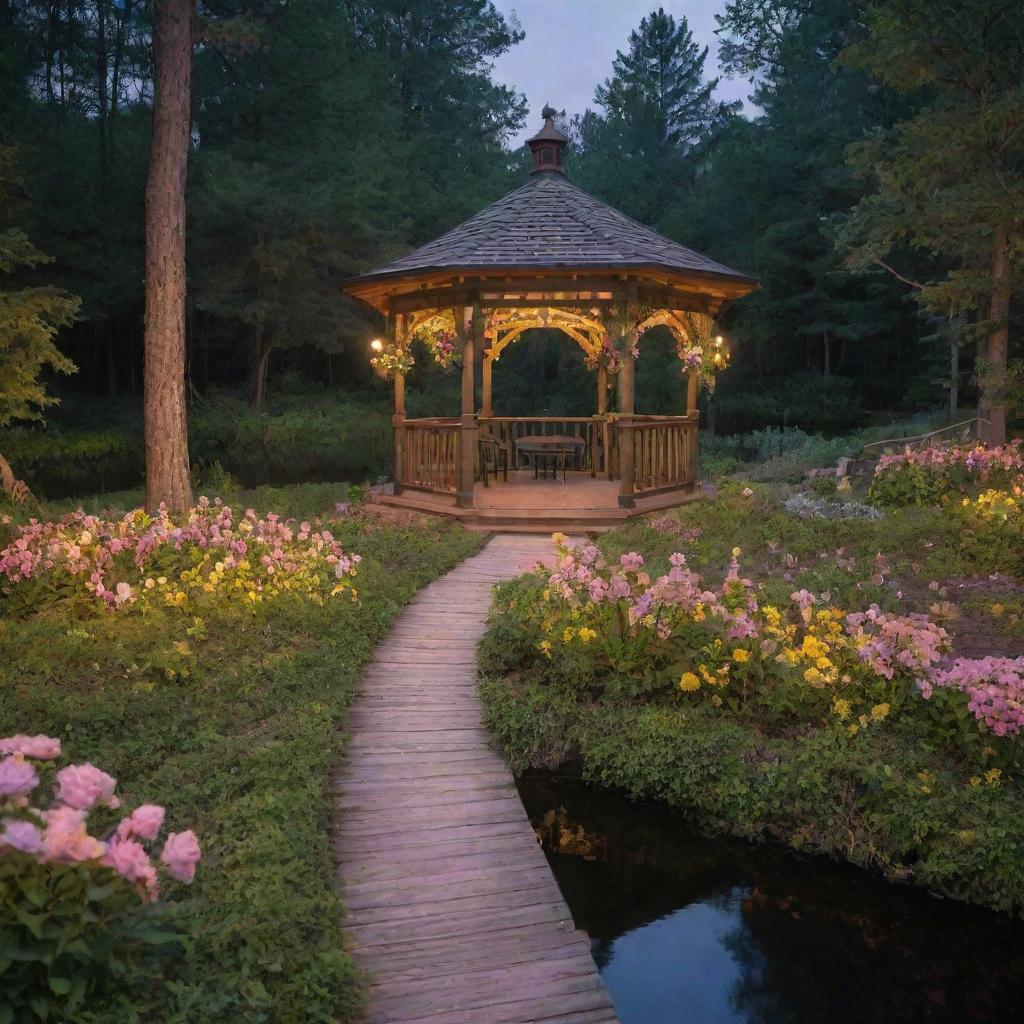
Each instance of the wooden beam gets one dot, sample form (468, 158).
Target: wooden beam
(487, 369)
(395, 331)
(468, 431)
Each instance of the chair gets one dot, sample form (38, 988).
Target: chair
(493, 459)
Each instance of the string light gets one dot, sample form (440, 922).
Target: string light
(377, 345)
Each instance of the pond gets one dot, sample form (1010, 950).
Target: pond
(688, 929)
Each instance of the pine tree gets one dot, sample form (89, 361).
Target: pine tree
(656, 107)
(30, 318)
(166, 431)
(948, 180)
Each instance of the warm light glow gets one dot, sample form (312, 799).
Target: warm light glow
(377, 345)
(719, 341)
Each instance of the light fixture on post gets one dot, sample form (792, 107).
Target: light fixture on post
(377, 345)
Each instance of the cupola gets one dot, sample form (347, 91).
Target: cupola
(548, 146)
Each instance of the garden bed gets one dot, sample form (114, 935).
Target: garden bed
(752, 703)
(230, 712)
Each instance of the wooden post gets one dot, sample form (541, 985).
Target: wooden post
(468, 432)
(624, 424)
(395, 331)
(602, 410)
(486, 408)
(691, 393)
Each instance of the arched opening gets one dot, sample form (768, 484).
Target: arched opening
(542, 372)
(660, 378)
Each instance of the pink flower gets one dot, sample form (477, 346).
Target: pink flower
(66, 837)
(181, 853)
(21, 835)
(631, 560)
(130, 860)
(42, 748)
(17, 776)
(83, 786)
(145, 822)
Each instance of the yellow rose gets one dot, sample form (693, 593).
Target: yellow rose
(688, 682)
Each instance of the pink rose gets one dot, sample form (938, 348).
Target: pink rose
(181, 854)
(83, 786)
(21, 835)
(130, 860)
(17, 776)
(145, 822)
(42, 748)
(66, 837)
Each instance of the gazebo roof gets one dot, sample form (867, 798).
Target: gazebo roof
(548, 224)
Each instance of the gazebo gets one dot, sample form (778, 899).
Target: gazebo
(547, 255)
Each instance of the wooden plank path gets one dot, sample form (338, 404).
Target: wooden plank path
(451, 906)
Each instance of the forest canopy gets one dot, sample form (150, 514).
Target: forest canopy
(330, 137)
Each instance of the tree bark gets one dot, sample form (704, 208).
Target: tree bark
(954, 376)
(166, 431)
(992, 402)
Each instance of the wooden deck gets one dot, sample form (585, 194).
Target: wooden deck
(452, 908)
(580, 504)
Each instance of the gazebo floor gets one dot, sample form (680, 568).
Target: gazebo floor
(581, 503)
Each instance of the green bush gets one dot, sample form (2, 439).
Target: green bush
(310, 436)
(233, 719)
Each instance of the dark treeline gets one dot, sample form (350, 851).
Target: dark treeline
(331, 135)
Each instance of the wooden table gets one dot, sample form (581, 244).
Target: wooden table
(547, 449)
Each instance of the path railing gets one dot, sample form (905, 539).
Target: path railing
(591, 429)
(428, 454)
(664, 452)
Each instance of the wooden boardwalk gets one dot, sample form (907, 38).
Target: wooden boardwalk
(452, 908)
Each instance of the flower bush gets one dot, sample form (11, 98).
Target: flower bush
(138, 559)
(926, 476)
(611, 626)
(74, 907)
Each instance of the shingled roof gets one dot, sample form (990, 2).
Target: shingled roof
(550, 222)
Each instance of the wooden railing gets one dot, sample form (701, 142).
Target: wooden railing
(428, 454)
(664, 452)
(593, 431)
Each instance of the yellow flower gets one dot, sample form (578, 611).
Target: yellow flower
(852, 728)
(740, 655)
(992, 776)
(586, 635)
(879, 711)
(688, 682)
(716, 700)
(545, 648)
(814, 677)
(546, 595)
(974, 780)
(997, 610)
(568, 634)
(841, 708)
(736, 552)
(559, 538)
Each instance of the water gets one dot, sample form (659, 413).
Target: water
(694, 930)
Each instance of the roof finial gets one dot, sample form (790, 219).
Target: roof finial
(548, 145)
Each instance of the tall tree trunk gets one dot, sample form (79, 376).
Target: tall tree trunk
(827, 346)
(954, 376)
(258, 386)
(992, 402)
(167, 470)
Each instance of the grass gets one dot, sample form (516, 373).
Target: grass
(897, 797)
(233, 720)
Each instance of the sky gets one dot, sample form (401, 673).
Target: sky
(570, 45)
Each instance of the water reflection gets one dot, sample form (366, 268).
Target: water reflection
(711, 931)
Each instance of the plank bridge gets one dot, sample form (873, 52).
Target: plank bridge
(451, 907)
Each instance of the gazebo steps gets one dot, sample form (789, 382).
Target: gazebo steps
(575, 517)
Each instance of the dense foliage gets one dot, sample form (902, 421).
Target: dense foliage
(847, 685)
(229, 713)
(298, 180)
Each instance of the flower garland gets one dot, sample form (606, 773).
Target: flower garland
(390, 361)
(440, 342)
